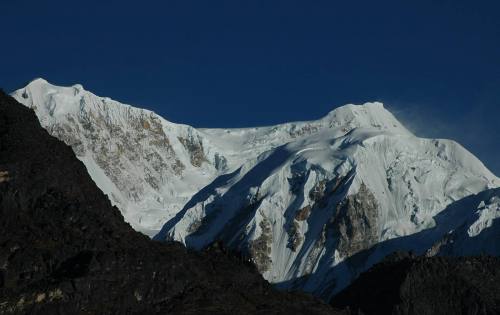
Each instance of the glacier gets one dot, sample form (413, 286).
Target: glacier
(312, 203)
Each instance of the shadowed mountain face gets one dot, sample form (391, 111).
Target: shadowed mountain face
(403, 284)
(64, 249)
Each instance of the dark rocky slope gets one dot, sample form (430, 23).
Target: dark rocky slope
(65, 250)
(403, 284)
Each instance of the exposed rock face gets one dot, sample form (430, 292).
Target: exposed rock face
(355, 222)
(403, 284)
(439, 245)
(260, 248)
(195, 149)
(303, 213)
(318, 191)
(307, 129)
(295, 237)
(64, 249)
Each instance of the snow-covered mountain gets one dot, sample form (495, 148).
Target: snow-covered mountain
(312, 203)
(148, 167)
(315, 212)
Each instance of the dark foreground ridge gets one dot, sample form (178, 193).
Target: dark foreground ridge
(402, 284)
(64, 249)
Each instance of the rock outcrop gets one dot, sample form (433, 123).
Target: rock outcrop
(355, 222)
(403, 284)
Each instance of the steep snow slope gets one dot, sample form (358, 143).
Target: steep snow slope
(312, 203)
(303, 208)
(147, 166)
(479, 233)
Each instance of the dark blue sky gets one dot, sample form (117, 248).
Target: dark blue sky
(436, 64)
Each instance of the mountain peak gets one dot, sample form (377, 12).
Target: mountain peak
(50, 99)
(38, 81)
(41, 85)
(367, 115)
(366, 105)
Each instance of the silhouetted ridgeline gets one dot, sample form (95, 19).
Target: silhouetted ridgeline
(403, 284)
